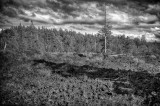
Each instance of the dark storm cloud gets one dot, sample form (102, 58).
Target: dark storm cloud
(65, 6)
(88, 22)
(118, 2)
(125, 27)
(13, 3)
(146, 1)
(154, 9)
(3, 20)
(85, 22)
(27, 19)
(22, 3)
(6, 9)
(10, 12)
(156, 33)
(78, 28)
(12, 8)
(93, 26)
(149, 6)
(151, 19)
(146, 27)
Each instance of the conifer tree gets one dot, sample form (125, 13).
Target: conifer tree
(106, 30)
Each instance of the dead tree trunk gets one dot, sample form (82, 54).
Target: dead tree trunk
(105, 33)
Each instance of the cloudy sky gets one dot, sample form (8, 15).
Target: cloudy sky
(130, 17)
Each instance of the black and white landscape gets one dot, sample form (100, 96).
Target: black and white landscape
(80, 52)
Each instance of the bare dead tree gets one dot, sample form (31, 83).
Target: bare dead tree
(5, 46)
(106, 30)
(105, 25)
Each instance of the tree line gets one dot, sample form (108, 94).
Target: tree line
(21, 39)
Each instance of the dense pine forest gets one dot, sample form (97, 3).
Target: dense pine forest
(21, 39)
(52, 67)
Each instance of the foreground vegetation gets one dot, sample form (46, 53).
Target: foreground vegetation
(67, 79)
